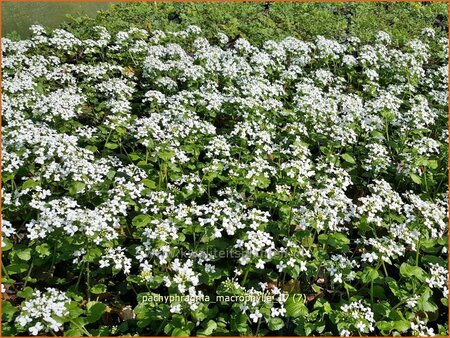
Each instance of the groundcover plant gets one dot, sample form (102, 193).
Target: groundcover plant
(159, 183)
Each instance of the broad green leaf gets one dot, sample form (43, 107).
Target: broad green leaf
(73, 307)
(7, 245)
(93, 254)
(432, 164)
(210, 326)
(369, 274)
(275, 324)
(239, 323)
(76, 187)
(180, 332)
(74, 331)
(407, 270)
(348, 158)
(149, 183)
(416, 178)
(98, 289)
(141, 220)
(30, 184)
(166, 155)
(111, 146)
(295, 306)
(43, 250)
(94, 311)
(16, 268)
(401, 325)
(8, 311)
(24, 254)
(25, 293)
(338, 240)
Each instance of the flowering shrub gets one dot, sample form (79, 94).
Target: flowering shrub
(166, 184)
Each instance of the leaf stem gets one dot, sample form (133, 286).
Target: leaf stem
(28, 274)
(257, 327)
(82, 328)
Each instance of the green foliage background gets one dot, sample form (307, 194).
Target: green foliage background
(261, 21)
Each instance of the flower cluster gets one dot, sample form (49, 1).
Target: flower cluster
(165, 163)
(357, 317)
(41, 311)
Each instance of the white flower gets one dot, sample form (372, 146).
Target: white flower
(361, 326)
(255, 316)
(337, 278)
(175, 308)
(34, 330)
(303, 266)
(260, 264)
(345, 333)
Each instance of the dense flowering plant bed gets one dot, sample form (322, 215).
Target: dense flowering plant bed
(165, 184)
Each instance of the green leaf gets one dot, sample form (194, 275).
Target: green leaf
(7, 245)
(111, 146)
(24, 254)
(369, 274)
(211, 325)
(378, 292)
(166, 155)
(8, 330)
(8, 311)
(134, 156)
(74, 294)
(348, 158)
(76, 187)
(74, 309)
(323, 238)
(168, 329)
(179, 332)
(395, 289)
(401, 325)
(149, 183)
(349, 287)
(432, 164)
(295, 306)
(141, 220)
(385, 327)
(407, 270)
(92, 148)
(30, 184)
(263, 182)
(25, 293)
(73, 332)
(98, 289)
(79, 321)
(111, 174)
(424, 304)
(43, 250)
(16, 268)
(275, 324)
(94, 311)
(337, 240)
(178, 321)
(92, 254)
(308, 241)
(382, 309)
(239, 323)
(416, 178)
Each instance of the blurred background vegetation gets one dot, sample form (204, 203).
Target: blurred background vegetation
(257, 22)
